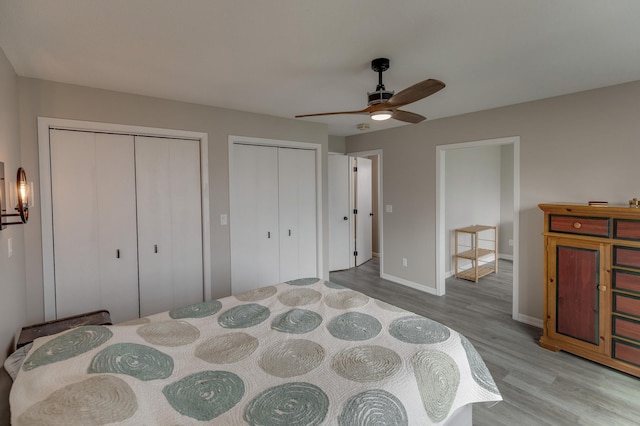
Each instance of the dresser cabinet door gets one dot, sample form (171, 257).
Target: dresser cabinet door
(577, 286)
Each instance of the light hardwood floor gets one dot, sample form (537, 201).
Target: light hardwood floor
(539, 387)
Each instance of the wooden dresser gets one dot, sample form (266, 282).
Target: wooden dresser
(592, 283)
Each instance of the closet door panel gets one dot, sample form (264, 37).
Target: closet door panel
(153, 186)
(186, 222)
(118, 242)
(254, 217)
(297, 207)
(73, 178)
(98, 170)
(288, 204)
(307, 208)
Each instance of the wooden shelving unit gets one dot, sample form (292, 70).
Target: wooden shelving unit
(474, 253)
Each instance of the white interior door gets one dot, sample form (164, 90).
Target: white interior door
(94, 226)
(169, 223)
(297, 213)
(340, 255)
(365, 212)
(254, 227)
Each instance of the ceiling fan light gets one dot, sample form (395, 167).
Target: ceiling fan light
(381, 115)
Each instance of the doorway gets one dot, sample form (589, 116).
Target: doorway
(442, 233)
(377, 233)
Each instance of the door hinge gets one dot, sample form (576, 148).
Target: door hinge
(355, 169)
(355, 211)
(355, 253)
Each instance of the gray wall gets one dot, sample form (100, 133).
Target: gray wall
(12, 271)
(505, 230)
(573, 148)
(337, 144)
(49, 99)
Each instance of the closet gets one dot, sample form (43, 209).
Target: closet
(127, 223)
(273, 215)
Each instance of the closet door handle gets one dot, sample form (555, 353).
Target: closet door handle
(155, 248)
(117, 253)
(268, 234)
(289, 232)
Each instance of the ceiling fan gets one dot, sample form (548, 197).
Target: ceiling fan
(383, 104)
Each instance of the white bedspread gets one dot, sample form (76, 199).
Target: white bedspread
(307, 352)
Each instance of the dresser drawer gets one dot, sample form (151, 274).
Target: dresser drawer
(626, 256)
(595, 226)
(628, 305)
(625, 280)
(627, 352)
(626, 328)
(626, 229)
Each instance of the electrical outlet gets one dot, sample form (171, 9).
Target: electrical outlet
(223, 219)
(404, 262)
(510, 243)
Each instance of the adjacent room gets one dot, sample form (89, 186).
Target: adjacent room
(303, 212)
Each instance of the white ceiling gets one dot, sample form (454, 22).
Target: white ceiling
(288, 57)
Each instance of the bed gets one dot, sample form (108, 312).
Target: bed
(304, 352)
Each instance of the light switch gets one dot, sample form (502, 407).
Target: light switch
(388, 208)
(223, 219)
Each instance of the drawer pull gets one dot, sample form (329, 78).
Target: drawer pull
(602, 287)
(577, 225)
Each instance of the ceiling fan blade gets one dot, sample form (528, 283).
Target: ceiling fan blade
(415, 93)
(407, 116)
(364, 111)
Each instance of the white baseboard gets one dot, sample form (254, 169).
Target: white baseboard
(536, 322)
(374, 254)
(505, 256)
(411, 284)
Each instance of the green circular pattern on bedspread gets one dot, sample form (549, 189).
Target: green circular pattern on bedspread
(244, 316)
(197, 310)
(257, 294)
(227, 348)
(366, 363)
(205, 395)
(68, 345)
(418, 330)
(479, 370)
(373, 407)
(299, 297)
(345, 300)
(438, 379)
(333, 285)
(296, 403)
(170, 333)
(303, 281)
(290, 358)
(296, 321)
(354, 326)
(98, 400)
(139, 361)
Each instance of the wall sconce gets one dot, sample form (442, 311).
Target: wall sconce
(23, 193)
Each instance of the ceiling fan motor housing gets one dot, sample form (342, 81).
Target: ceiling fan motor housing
(379, 96)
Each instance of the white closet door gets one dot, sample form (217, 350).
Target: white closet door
(364, 238)
(254, 217)
(169, 223)
(297, 213)
(94, 225)
(340, 253)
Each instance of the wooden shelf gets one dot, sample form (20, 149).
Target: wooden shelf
(474, 253)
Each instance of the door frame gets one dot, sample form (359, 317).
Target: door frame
(379, 153)
(247, 140)
(45, 124)
(441, 232)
